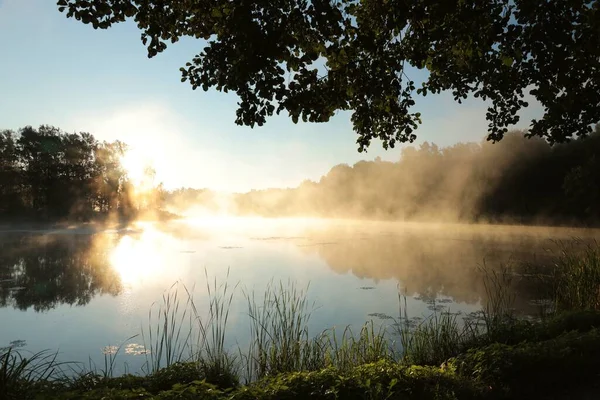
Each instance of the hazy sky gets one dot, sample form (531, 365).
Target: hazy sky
(60, 72)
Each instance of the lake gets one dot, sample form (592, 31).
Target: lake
(84, 292)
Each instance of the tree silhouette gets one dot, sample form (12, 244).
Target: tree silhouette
(46, 174)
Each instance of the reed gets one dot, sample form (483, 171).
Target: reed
(281, 342)
(169, 333)
(574, 279)
(279, 336)
(216, 363)
(432, 340)
(21, 374)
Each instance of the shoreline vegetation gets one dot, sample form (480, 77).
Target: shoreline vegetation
(496, 354)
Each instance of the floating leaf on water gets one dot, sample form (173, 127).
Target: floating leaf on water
(380, 315)
(136, 349)
(17, 344)
(110, 350)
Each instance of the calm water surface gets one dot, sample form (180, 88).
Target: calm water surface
(81, 291)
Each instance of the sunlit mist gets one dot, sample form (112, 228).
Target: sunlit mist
(253, 226)
(136, 163)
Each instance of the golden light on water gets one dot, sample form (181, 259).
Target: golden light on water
(155, 254)
(139, 259)
(250, 224)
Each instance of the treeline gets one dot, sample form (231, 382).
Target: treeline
(47, 174)
(516, 180)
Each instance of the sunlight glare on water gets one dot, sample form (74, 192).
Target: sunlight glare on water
(140, 258)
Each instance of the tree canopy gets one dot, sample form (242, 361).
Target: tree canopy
(313, 58)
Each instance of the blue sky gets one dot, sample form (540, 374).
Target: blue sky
(58, 71)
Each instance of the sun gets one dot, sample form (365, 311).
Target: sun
(135, 163)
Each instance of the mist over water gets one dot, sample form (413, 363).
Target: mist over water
(79, 290)
(517, 181)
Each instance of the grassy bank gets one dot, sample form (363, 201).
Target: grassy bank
(494, 355)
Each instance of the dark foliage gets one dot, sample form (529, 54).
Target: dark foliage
(43, 271)
(529, 369)
(313, 58)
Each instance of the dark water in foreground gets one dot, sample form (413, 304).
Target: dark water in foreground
(82, 291)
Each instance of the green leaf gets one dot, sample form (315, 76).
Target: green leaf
(508, 61)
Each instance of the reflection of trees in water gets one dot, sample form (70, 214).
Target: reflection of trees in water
(44, 271)
(429, 263)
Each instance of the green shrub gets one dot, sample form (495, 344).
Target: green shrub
(381, 380)
(193, 391)
(178, 373)
(531, 368)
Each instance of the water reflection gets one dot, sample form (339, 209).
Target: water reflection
(431, 262)
(43, 271)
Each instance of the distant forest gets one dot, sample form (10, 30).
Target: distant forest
(47, 174)
(517, 180)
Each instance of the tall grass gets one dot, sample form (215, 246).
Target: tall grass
(433, 340)
(350, 350)
(179, 332)
(280, 340)
(168, 338)
(498, 312)
(216, 363)
(19, 375)
(443, 334)
(574, 280)
(279, 337)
